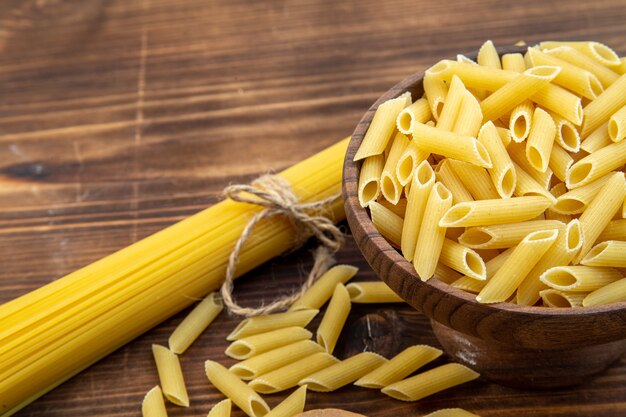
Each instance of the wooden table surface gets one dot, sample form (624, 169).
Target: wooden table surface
(118, 118)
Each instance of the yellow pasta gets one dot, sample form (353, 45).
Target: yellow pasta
(513, 62)
(617, 125)
(475, 179)
(389, 183)
(579, 278)
(610, 293)
(344, 372)
(462, 259)
(153, 404)
(503, 236)
(608, 253)
(399, 367)
(290, 406)
(470, 117)
(334, 318)
(621, 68)
(450, 110)
(372, 292)
(170, 375)
(446, 274)
(517, 152)
(387, 223)
(524, 257)
(577, 200)
(567, 135)
(596, 165)
(540, 140)
(382, 126)
(410, 159)
(520, 121)
(436, 91)
(282, 379)
(580, 60)
(195, 323)
(604, 106)
(274, 359)
(247, 347)
(431, 235)
(597, 139)
(451, 412)
(269, 322)
(232, 387)
(528, 186)
(595, 50)
(615, 230)
(430, 382)
(560, 299)
(321, 291)
(488, 56)
(369, 179)
(418, 112)
(221, 409)
(446, 175)
(469, 284)
(502, 172)
(488, 212)
(560, 161)
(423, 181)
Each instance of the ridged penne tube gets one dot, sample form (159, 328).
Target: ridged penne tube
(567, 135)
(399, 367)
(449, 144)
(382, 126)
(505, 135)
(559, 162)
(577, 200)
(513, 62)
(523, 258)
(430, 382)
(579, 278)
(450, 110)
(469, 284)
(446, 274)
(221, 409)
(488, 56)
(560, 101)
(573, 78)
(520, 120)
(274, 359)
(423, 181)
(389, 184)
(410, 159)
(153, 404)
(597, 139)
(372, 292)
(247, 347)
(334, 318)
(517, 152)
(344, 372)
(195, 323)
(561, 299)
(517, 90)
(288, 376)
(615, 230)
(617, 125)
(500, 211)
(369, 179)
(605, 75)
(290, 406)
(608, 253)
(470, 116)
(503, 236)
(596, 164)
(321, 291)
(446, 175)
(528, 186)
(595, 50)
(170, 375)
(269, 322)
(601, 211)
(605, 105)
(610, 293)
(475, 179)
(232, 387)
(387, 223)
(431, 235)
(540, 140)
(451, 412)
(502, 171)
(418, 112)
(436, 91)
(462, 259)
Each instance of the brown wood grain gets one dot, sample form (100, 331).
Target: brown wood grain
(118, 118)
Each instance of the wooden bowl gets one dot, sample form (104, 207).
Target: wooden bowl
(530, 347)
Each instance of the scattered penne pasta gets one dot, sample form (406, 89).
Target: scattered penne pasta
(372, 292)
(247, 347)
(334, 318)
(321, 291)
(195, 323)
(290, 406)
(343, 373)
(269, 322)
(170, 375)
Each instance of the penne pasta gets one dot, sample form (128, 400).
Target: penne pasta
(430, 382)
(608, 253)
(232, 387)
(596, 165)
(195, 323)
(540, 140)
(153, 404)
(399, 367)
(334, 318)
(452, 412)
(422, 183)
(469, 284)
(247, 347)
(450, 110)
(436, 91)
(577, 200)
(513, 62)
(610, 293)
(287, 377)
(621, 68)
(505, 135)
(387, 223)
(321, 291)
(597, 139)
(382, 126)
(567, 135)
(517, 152)
(502, 236)
(580, 60)
(369, 179)
(343, 373)
(398, 209)
(170, 375)
(595, 50)
(290, 406)
(446, 274)
(488, 56)
(527, 186)
(389, 184)
(446, 175)
(372, 292)
(502, 172)
(221, 409)
(462, 259)
(615, 230)
(269, 322)
(418, 112)
(605, 105)
(520, 121)
(410, 159)
(560, 161)
(579, 278)
(617, 125)
(470, 117)
(561, 299)
(475, 179)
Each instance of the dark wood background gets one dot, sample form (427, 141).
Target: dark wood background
(118, 118)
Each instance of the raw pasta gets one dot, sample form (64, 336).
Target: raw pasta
(344, 372)
(321, 291)
(372, 292)
(153, 404)
(334, 318)
(269, 322)
(291, 405)
(247, 347)
(170, 375)
(221, 409)
(195, 323)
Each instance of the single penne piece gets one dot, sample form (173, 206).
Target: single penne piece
(423, 181)
(560, 101)
(409, 161)
(269, 322)
(513, 62)
(451, 412)
(601, 211)
(274, 359)
(221, 409)
(488, 56)
(382, 126)
(399, 208)
(567, 135)
(608, 253)
(369, 179)
(517, 152)
(431, 235)
(334, 318)
(389, 184)
(523, 258)
(286, 377)
(470, 117)
(615, 230)
(372, 292)
(605, 75)
(343, 373)
(560, 299)
(579, 278)
(290, 406)
(520, 121)
(502, 172)
(596, 165)
(321, 291)
(446, 274)
(559, 162)
(399, 367)
(195, 323)
(597, 139)
(617, 125)
(153, 404)
(501, 236)
(232, 387)
(446, 175)
(387, 223)
(430, 382)
(610, 293)
(595, 50)
(500, 211)
(604, 106)
(577, 200)
(449, 144)
(528, 186)
(170, 375)
(462, 259)
(418, 112)
(469, 284)
(475, 179)
(247, 347)
(436, 91)
(540, 140)
(450, 110)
